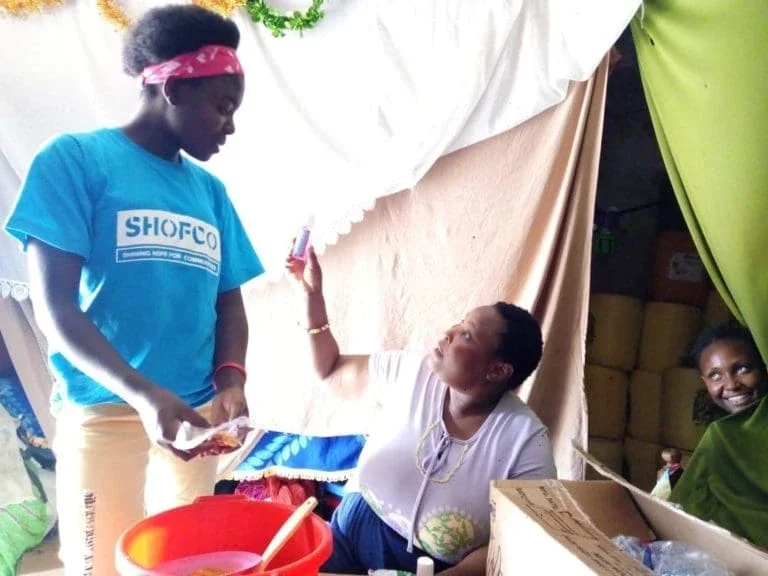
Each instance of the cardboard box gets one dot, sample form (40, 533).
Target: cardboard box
(553, 527)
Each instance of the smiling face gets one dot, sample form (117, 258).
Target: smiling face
(465, 358)
(735, 378)
(202, 112)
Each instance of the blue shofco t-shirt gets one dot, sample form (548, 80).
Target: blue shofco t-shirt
(160, 241)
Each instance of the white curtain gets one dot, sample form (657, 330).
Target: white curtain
(360, 107)
(509, 218)
(357, 109)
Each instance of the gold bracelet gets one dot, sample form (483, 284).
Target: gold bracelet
(314, 331)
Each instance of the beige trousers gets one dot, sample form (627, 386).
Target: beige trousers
(104, 449)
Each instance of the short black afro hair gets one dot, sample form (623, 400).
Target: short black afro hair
(520, 343)
(168, 31)
(732, 331)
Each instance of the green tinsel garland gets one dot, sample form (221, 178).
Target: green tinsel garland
(279, 23)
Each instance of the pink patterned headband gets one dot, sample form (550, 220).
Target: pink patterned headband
(212, 60)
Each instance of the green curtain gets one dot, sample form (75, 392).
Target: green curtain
(704, 67)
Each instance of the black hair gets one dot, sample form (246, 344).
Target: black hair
(164, 32)
(729, 331)
(520, 343)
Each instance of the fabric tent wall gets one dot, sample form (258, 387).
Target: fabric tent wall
(323, 127)
(358, 131)
(509, 218)
(703, 66)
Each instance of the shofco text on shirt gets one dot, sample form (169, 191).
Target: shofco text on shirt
(159, 235)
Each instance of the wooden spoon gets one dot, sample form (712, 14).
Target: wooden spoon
(287, 530)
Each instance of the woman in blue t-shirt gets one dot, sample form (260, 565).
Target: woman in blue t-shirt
(136, 259)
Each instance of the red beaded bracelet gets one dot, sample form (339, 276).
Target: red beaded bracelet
(234, 366)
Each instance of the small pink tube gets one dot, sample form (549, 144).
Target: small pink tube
(301, 245)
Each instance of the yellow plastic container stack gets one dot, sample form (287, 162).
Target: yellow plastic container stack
(606, 390)
(643, 462)
(667, 334)
(683, 393)
(609, 452)
(615, 321)
(640, 399)
(660, 391)
(645, 398)
(614, 330)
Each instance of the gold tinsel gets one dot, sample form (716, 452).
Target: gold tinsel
(22, 7)
(110, 9)
(223, 7)
(114, 14)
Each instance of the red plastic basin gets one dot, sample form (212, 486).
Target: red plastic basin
(219, 524)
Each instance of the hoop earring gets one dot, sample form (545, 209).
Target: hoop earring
(165, 93)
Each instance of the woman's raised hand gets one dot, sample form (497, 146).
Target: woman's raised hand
(307, 273)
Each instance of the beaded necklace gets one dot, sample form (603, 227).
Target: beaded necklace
(420, 450)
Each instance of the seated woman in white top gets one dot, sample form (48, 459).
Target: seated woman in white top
(449, 423)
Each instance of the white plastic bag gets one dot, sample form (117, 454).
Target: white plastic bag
(663, 488)
(221, 439)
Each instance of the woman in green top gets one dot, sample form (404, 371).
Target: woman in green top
(726, 481)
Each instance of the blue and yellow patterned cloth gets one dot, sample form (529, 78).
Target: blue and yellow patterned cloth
(15, 401)
(295, 456)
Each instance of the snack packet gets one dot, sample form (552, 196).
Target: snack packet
(222, 439)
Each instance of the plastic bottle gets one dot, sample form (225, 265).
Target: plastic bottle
(671, 558)
(425, 566)
(301, 245)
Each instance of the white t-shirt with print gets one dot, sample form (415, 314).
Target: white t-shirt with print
(409, 442)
